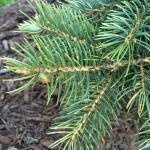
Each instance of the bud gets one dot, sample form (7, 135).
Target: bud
(44, 78)
(30, 27)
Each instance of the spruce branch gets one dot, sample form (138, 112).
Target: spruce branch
(81, 127)
(91, 109)
(121, 31)
(141, 86)
(96, 54)
(93, 5)
(109, 67)
(61, 21)
(132, 31)
(144, 134)
(142, 76)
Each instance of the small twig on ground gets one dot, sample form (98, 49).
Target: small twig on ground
(40, 118)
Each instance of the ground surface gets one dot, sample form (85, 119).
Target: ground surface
(25, 118)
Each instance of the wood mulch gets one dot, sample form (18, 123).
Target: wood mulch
(25, 118)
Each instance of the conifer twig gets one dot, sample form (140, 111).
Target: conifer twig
(83, 120)
(114, 66)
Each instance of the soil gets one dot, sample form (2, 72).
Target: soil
(25, 118)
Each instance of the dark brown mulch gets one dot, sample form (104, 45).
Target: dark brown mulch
(123, 135)
(10, 17)
(25, 118)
